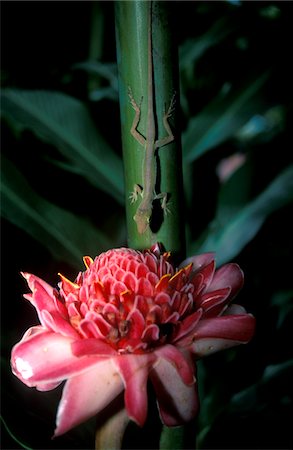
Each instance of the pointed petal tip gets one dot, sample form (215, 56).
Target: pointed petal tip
(87, 394)
(30, 278)
(88, 261)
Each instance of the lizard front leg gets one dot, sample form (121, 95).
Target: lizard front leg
(137, 190)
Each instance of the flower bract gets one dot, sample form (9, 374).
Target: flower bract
(128, 318)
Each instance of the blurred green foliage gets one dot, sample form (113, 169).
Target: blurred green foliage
(62, 192)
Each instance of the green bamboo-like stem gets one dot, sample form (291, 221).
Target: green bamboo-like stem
(132, 20)
(109, 434)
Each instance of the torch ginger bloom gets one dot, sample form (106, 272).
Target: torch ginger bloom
(128, 318)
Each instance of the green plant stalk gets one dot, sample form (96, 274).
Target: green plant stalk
(132, 20)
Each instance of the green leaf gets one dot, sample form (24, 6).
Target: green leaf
(234, 193)
(107, 71)
(228, 240)
(66, 236)
(274, 377)
(104, 71)
(22, 445)
(193, 49)
(282, 300)
(63, 121)
(221, 119)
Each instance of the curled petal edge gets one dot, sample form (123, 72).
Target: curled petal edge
(42, 358)
(220, 333)
(86, 394)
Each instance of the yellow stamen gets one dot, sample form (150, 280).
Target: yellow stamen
(176, 275)
(65, 280)
(126, 292)
(167, 255)
(187, 268)
(164, 278)
(87, 261)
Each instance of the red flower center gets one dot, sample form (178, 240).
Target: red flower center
(132, 300)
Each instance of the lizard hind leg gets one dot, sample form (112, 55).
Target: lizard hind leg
(167, 114)
(165, 204)
(171, 107)
(134, 131)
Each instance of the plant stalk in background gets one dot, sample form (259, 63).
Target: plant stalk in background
(147, 66)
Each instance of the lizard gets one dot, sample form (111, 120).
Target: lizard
(150, 143)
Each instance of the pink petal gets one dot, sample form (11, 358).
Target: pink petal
(211, 301)
(178, 402)
(151, 333)
(92, 346)
(55, 322)
(35, 282)
(187, 325)
(222, 332)
(86, 394)
(208, 273)
(198, 283)
(52, 313)
(48, 386)
(181, 362)
(134, 370)
(144, 287)
(137, 324)
(130, 281)
(42, 294)
(44, 357)
(228, 275)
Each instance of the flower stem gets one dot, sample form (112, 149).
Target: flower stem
(132, 27)
(110, 434)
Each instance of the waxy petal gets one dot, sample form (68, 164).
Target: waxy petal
(87, 394)
(214, 302)
(92, 346)
(54, 322)
(187, 326)
(33, 282)
(181, 363)
(229, 275)
(134, 370)
(42, 296)
(177, 401)
(48, 386)
(46, 357)
(208, 273)
(222, 332)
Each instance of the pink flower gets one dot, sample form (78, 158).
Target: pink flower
(128, 318)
